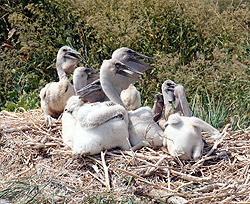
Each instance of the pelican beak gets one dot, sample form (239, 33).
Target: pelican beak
(138, 64)
(126, 70)
(72, 54)
(90, 88)
(91, 70)
(93, 77)
(137, 54)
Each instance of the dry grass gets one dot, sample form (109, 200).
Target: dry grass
(33, 155)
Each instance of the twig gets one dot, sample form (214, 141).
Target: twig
(218, 141)
(105, 170)
(152, 169)
(133, 153)
(96, 177)
(15, 129)
(201, 161)
(142, 179)
(40, 145)
(228, 199)
(189, 177)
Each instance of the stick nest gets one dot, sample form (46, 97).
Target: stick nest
(33, 155)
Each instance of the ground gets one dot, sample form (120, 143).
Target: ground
(36, 167)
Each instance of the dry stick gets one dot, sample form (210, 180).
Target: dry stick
(228, 199)
(218, 141)
(40, 145)
(142, 179)
(133, 153)
(201, 161)
(9, 113)
(19, 174)
(105, 170)
(243, 191)
(15, 129)
(96, 177)
(189, 177)
(152, 169)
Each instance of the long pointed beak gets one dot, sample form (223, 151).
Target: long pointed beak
(90, 88)
(92, 70)
(72, 54)
(137, 54)
(127, 69)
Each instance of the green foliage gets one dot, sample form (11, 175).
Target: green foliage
(200, 44)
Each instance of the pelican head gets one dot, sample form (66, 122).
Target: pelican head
(90, 88)
(116, 76)
(67, 58)
(168, 91)
(127, 56)
(83, 76)
(113, 67)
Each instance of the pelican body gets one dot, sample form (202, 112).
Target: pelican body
(131, 98)
(55, 94)
(94, 127)
(182, 136)
(91, 128)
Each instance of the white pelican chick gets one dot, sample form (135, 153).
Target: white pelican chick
(182, 136)
(91, 128)
(163, 105)
(82, 77)
(55, 94)
(130, 96)
(142, 128)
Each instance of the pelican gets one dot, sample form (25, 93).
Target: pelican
(82, 77)
(55, 94)
(182, 136)
(93, 127)
(142, 128)
(130, 96)
(92, 92)
(163, 105)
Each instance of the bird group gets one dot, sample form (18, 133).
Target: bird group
(103, 111)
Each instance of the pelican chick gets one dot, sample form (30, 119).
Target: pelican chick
(91, 128)
(82, 77)
(142, 129)
(163, 105)
(131, 97)
(182, 136)
(55, 94)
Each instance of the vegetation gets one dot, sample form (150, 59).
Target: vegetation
(200, 44)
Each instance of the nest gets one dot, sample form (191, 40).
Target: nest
(33, 155)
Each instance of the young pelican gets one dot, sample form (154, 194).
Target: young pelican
(130, 96)
(55, 94)
(91, 128)
(82, 77)
(163, 105)
(182, 136)
(142, 128)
